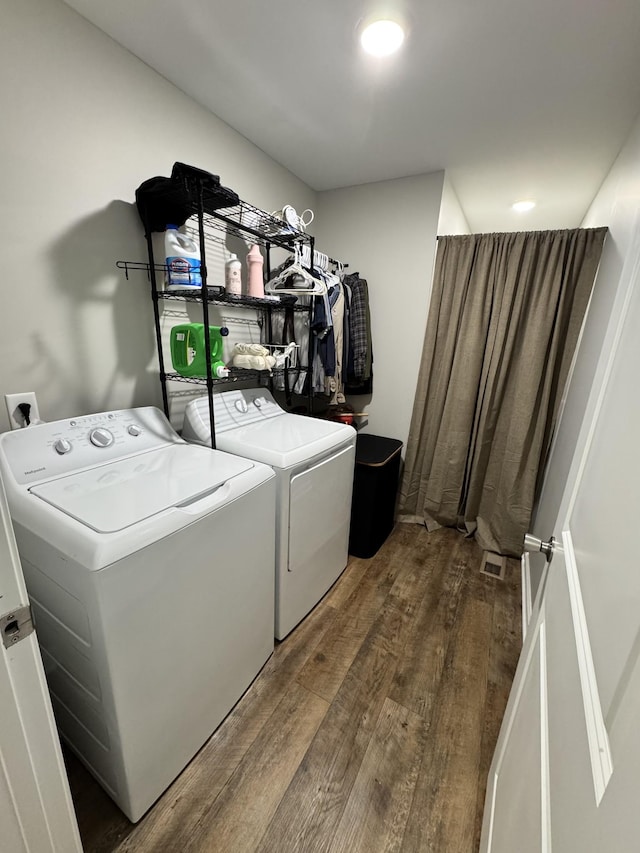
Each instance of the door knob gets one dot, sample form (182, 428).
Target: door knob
(532, 543)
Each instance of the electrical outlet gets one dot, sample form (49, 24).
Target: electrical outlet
(16, 419)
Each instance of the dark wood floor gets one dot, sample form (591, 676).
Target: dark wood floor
(371, 728)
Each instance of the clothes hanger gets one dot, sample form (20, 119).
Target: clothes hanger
(340, 271)
(320, 260)
(305, 282)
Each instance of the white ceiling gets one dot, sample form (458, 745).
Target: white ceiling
(514, 98)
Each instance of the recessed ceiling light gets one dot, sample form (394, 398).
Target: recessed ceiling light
(382, 38)
(523, 206)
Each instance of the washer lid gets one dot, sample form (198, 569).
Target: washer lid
(286, 440)
(116, 495)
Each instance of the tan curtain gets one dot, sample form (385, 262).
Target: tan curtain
(504, 319)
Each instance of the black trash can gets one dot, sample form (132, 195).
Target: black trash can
(375, 483)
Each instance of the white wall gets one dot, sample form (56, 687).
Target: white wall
(616, 205)
(452, 219)
(84, 123)
(387, 232)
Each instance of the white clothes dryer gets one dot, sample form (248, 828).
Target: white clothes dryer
(153, 607)
(313, 460)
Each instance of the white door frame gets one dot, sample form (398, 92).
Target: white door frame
(535, 647)
(36, 811)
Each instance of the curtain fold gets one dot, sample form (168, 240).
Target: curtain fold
(504, 319)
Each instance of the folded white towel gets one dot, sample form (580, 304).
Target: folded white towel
(254, 362)
(249, 349)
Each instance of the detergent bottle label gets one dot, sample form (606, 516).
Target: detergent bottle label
(184, 272)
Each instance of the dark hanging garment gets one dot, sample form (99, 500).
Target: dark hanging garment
(360, 372)
(325, 338)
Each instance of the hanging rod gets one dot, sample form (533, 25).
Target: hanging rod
(319, 257)
(338, 264)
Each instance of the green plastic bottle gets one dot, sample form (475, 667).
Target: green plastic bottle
(188, 351)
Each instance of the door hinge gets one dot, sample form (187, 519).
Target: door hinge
(15, 625)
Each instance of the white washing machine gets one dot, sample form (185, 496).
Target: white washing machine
(313, 460)
(153, 607)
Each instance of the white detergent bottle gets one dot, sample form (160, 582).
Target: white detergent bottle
(182, 259)
(232, 276)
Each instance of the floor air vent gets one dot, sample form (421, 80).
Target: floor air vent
(493, 565)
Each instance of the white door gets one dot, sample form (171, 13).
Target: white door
(36, 813)
(566, 772)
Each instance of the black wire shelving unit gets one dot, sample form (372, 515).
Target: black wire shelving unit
(240, 220)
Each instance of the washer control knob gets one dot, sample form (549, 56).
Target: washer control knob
(258, 402)
(134, 429)
(101, 437)
(62, 446)
(241, 405)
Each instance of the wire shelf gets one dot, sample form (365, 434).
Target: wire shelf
(240, 219)
(225, 320)
(216, 294)
(245, 219)
(236, 374)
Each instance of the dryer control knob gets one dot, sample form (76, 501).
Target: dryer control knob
(62, 446)
(258, 402)
(101, 437)
(134, 429)
(241, 405)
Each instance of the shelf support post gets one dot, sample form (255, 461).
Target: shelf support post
(156, 316)
(205, 310)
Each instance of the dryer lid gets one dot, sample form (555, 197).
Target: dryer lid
(286, 440)
(117, 495)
